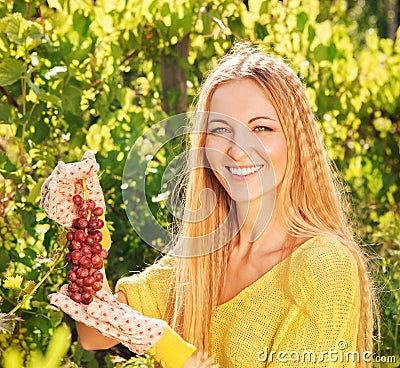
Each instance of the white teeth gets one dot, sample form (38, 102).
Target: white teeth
(245, 170)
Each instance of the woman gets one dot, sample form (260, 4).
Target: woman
(280, 281)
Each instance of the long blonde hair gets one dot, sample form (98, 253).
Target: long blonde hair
(311, 196)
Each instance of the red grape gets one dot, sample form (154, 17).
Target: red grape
(76, 254)
(98, 265)
(70, 235)
(93, 223)
(96, 247)
(97, 236)
(87, 297)
(91, 204)
(77, 199)
(85, 262)
(68, 257)
(97, 286)
(86, 250)
(79, 282)
(76, 297)
(98, 211)
(83, 212)
(81, 273)
(80, 236)
(71, 275)
(100, 223)
(98, 276)
(73, 288)
(82, 223)
(88, 289)
(89, 240)
(74, 245)
(96, 259)
(88, 281)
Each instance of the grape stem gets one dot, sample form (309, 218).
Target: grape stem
(33, 291)
(85, 190)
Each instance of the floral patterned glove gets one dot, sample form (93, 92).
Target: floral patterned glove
(113, 319)
(66, 181)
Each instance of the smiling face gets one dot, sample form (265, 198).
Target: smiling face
(245, 145)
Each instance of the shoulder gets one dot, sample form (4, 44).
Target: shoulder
(325, 263)
(324, 253)
(158, 272)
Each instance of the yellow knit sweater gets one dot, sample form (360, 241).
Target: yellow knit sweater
(304, 312)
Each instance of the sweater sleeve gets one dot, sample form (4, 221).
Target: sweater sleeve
(147, 291)
(324, 322)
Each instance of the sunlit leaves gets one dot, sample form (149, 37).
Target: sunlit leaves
(86, 74)
(13, 357)
(11, 70)
(13, 282)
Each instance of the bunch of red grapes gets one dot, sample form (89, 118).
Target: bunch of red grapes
(86, 253)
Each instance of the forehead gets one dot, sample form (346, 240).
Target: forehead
(241, 100)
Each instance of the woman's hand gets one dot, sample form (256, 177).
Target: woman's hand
(199, 360)
(67, 180)
(113, 319)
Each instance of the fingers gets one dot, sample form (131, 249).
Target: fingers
(112, 301)
(89, 155)
(130, 327)
(67, 305)
(108, 298)
(64, 289)
(200, 360)
(127, 320)
(75, 310)
(57, 203)
(65, 181)
(95, 191)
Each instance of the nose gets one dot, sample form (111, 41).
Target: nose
(236, 150)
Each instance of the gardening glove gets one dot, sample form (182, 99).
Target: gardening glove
(64, 182)
(118, 321)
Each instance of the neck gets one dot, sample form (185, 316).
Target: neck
(261, 220)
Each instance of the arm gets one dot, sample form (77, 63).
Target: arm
(116, 320)
(92, 339)
(170, 350)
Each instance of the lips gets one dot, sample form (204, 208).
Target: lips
(244, 171)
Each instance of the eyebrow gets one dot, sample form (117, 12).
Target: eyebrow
(250, 121)
(261, 117)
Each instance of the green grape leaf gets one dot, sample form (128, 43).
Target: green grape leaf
(11, 70)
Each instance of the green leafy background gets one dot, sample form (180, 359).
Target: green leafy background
(79, 74)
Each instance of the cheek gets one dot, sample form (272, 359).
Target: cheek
(280, 159)
(209, 152)
(213, 150)
(277, 154)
